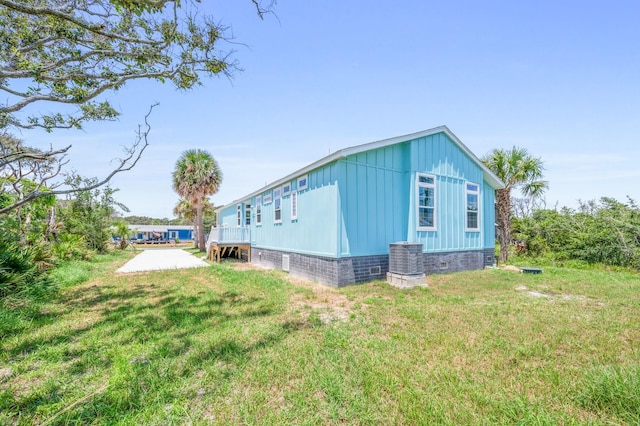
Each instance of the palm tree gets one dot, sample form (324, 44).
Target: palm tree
(185, 210)
(518, 170)
(121, 229)
(195, 177)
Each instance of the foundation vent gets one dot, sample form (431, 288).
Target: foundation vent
(285, 262)
(406, 258)
(375, 270)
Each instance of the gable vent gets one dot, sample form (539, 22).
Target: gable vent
(285, 262)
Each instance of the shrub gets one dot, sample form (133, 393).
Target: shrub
(22, 269)
(71, 247)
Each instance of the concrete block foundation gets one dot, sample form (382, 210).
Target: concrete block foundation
(340, 272)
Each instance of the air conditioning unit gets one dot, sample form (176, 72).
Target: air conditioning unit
(406, 258)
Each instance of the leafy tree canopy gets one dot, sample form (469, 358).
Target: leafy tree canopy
(72, 51)
(64, 54)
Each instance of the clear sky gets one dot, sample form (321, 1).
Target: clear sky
(560, 78)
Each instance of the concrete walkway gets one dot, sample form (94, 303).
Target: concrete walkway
(159, 259)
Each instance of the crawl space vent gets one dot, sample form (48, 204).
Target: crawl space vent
(285, 262)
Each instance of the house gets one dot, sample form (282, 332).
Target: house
(165, 233)
(333, 220)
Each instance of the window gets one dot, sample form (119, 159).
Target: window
(426, 196)
(473, 196)
(247, 214)
(266, 198)
(303, 182)
(286, 189)
(294, 205)
(277, 210)
(258, 210)
(239, 215)
(277, 206)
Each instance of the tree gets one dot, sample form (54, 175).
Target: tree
(32, 173)
(121, 229)
(68, 53)
(195, 177)
(89, 214)
(518, 170)
(186, 211)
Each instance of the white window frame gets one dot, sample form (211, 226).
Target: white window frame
(468, 192)
(277, 206)
(304, 179)
(258, 211)
(239, 215)
(294, 205)
(247, 215)
(286, 189)
(418, 207)
(267, 197)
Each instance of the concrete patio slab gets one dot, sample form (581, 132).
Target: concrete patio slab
(161, 259)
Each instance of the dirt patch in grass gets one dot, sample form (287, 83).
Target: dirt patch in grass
(329, 307)
(550, 294)
(327, 302)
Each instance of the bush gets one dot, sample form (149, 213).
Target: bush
(71, 247)
(605, 232)
(22, 269)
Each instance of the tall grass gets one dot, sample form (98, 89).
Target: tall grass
(222, 345)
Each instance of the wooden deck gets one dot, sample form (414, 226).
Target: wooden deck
(219, 250)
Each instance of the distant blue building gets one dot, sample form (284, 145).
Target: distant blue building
(333, 220)
(161, 232)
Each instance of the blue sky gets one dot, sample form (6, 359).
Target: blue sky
(558, 78)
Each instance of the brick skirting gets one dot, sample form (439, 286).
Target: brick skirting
(359, 269)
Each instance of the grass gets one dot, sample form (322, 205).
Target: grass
(225, 345)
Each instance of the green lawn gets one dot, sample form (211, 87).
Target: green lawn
(222, 345)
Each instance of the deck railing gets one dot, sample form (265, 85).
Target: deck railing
(229, 235)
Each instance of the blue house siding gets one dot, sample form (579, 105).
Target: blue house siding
(361, 199)
(315, 231)
(182, 234)
(439, 156)
(373, 205)
(489, 213)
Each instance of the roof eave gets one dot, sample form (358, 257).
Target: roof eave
(488, 175)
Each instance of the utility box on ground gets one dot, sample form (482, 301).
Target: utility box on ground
(406, 265)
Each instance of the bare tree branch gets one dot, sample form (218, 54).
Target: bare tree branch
(131, 158)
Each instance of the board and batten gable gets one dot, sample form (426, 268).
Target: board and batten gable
(488, 209)
(373, 200)
(438, 156)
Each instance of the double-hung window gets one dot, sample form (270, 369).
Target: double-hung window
(294, 205)
(239, 215)
(473, 202)
(258, 210)
(426, 206)
(277, 206)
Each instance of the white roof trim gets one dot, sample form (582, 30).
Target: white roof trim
(488, 175)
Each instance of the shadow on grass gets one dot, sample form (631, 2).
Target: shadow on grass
(142, 341)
